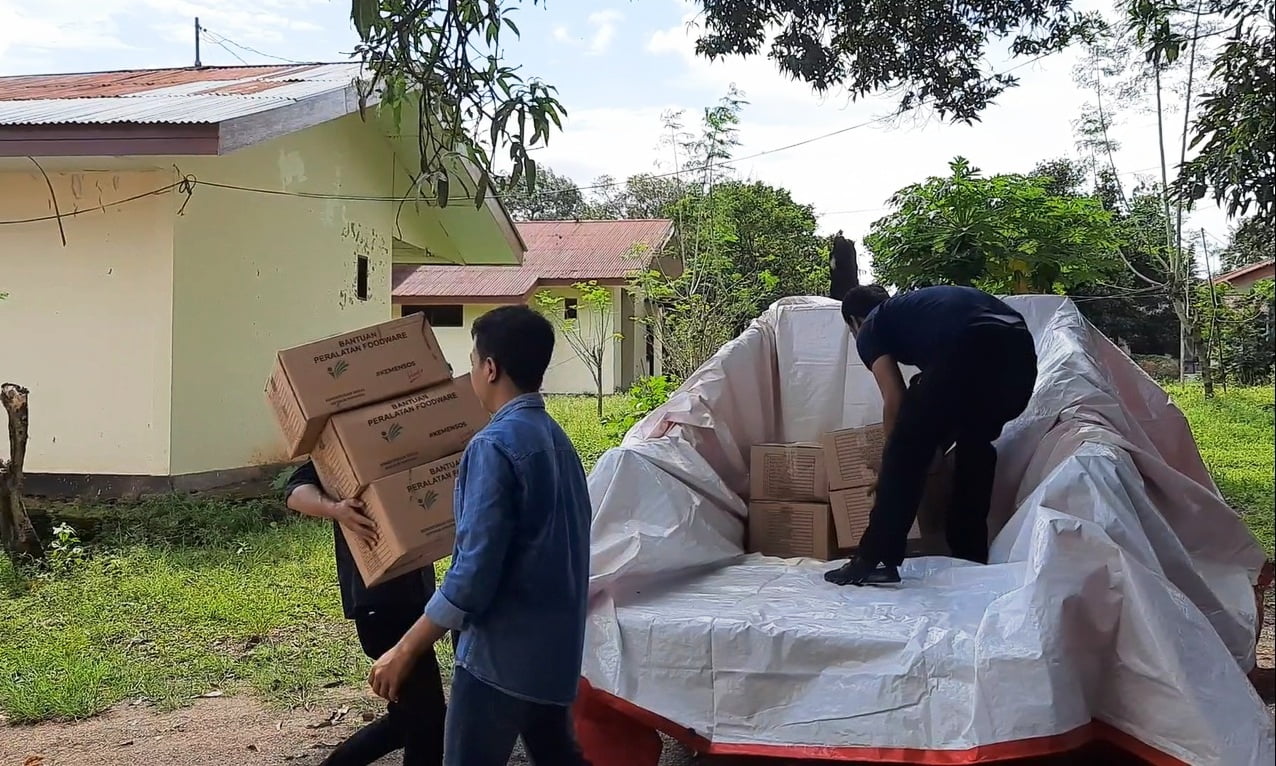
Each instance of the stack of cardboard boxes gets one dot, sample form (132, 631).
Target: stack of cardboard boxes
(789, 502)
(813, 500)
(383, 420)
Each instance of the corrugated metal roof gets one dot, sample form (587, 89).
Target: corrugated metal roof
(471, 281)
(556, 250)
(207, 95)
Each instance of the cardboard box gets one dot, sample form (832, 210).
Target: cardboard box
(851, 508)
(313, 381)
(853, 456)
(788, 472)
(415, 521)
(790, 529)
(361, 446)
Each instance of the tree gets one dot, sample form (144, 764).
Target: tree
(644, 195)
(588, 336)
(442, 62)
(1141, 312)
(1237, 117)
(1254, 241)
(1239, 331)
(1119, 304)
(741, 245)
(930, 53)
(555, 198)
(1159, 31)
(1005, 234)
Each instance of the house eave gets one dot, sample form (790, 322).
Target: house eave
(170, 139)
(120, 139)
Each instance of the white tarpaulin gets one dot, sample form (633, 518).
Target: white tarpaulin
(1120, 589)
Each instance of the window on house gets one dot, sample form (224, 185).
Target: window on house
(361, 278)
(570, 306)
(439, 316)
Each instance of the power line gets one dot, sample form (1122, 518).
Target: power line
(246, 48)
(186, 186)
(733, 160)
(213, 39)
(189, 182)
(599, 186)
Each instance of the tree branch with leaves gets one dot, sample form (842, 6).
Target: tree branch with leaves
(929, 53)
(1004, 233)
(441, 63)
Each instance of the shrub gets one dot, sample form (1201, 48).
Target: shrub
(644, 396)
(1238, 326)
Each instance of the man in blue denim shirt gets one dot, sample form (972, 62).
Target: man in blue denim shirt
(519, 578)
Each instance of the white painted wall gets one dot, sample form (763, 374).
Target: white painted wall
(90, 321)
(567, 374)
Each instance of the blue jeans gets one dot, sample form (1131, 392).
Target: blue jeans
(483, 723)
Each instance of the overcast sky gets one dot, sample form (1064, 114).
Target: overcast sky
(618, 66)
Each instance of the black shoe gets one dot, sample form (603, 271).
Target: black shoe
(858, 572)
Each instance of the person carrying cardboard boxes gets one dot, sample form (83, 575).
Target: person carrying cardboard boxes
(390, 499)
(978, 368)
(382, 614)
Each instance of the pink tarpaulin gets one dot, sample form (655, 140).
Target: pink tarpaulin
(1119, 604)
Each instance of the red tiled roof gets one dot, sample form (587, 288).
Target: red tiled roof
(1245, 270)
(463, 281)
(557, 251)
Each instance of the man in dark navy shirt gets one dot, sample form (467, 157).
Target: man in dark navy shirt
(382, 614)
(978, 370)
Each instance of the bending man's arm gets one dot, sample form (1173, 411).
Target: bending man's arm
(890, 381)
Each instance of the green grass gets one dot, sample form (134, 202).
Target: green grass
(578, 415)
(178, 598)
(1234, 432)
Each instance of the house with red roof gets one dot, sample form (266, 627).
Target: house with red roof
(164, 232)
(1245, 277)
(559, 254)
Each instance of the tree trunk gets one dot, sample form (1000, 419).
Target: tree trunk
(19, 537)
(1196, 342)
(599, 382)
(1193, 344)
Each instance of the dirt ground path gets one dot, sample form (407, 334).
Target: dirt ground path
(238, 731)
(225, 731)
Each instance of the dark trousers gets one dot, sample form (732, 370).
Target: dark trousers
(414, 724)
(484, 723)
(983, 383)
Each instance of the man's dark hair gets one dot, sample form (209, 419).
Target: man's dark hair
(860, 301)
(519, 340)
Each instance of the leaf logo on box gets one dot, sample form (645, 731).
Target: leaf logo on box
(337, 369)
(428, 500)
(392, 433)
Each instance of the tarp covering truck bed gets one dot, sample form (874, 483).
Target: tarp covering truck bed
(1119, 603)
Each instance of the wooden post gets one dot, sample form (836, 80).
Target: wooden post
(16, 531)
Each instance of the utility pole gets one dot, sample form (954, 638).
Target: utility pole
(198, 65)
